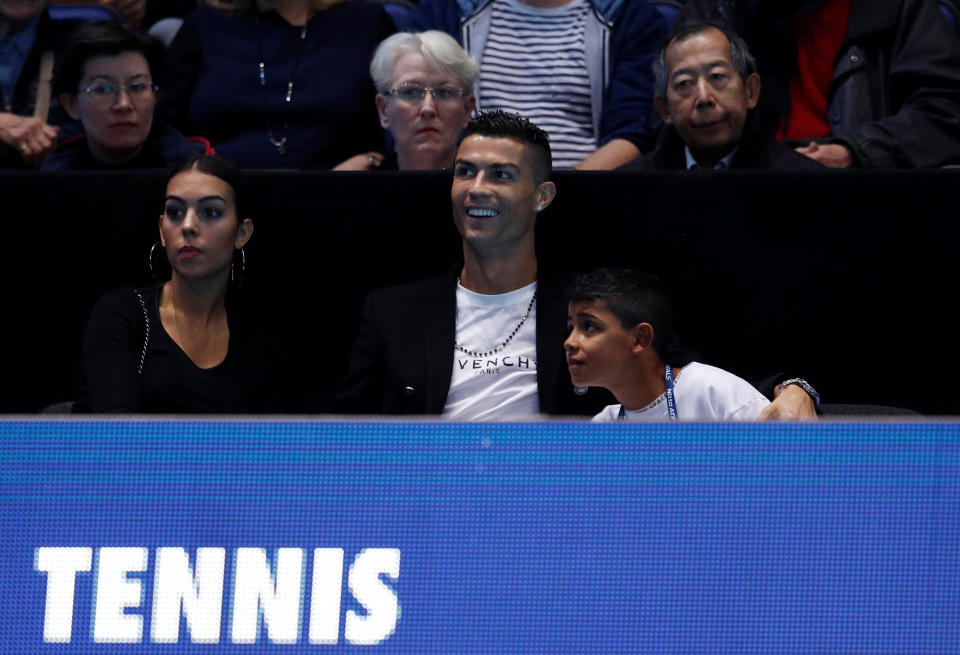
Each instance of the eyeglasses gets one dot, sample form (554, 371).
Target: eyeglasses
(105, 91)
(414, 93)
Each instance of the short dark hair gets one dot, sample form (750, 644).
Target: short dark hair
(220, 168)
(103, 38)
(632, 297)
(743, 62)
(499, 123)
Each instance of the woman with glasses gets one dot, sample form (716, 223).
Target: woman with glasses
(424, 97)
(106, 80)
(277, 83)
(181, 346)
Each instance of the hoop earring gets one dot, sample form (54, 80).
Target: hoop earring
(153, 270)
(238, 279)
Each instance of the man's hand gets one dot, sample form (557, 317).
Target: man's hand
(834, 155)
(793, 403)
(32, 137)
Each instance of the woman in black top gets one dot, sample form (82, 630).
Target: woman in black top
(174, 348)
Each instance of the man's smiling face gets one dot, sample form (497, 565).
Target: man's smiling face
(494, 193)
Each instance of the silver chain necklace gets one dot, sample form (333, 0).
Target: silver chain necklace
(279, 143)
(523, 319)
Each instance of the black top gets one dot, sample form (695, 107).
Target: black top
(250, 378)
(165, 147)
(756, 151)
(212, 87)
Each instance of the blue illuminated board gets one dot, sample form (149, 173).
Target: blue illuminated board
(381, 538)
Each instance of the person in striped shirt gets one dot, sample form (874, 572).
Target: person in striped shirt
(579, 69)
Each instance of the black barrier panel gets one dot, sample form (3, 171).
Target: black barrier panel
(847, 278)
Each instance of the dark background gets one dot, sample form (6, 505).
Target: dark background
(848, 278)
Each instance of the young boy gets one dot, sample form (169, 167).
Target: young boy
(619, 322)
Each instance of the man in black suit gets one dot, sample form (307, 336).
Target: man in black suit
(707, 89)
(853, 83)
(483, 342)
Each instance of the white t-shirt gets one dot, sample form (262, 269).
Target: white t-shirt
(701, 393)
(501, 386)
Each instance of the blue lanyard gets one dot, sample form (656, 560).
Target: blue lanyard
(667, 392)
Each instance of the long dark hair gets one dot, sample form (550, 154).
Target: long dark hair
(220, 168)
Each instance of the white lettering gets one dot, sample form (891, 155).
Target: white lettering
(201, 597)
(379, 600)
(115, 592)
(325, 596)
(267, 597)
(254, 590)
(61, 566)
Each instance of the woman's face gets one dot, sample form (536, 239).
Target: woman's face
(425, 131)
(199, 227)
(115, 102)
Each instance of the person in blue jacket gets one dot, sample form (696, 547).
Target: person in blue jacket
(580, 69)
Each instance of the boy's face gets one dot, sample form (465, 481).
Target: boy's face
(598, 346)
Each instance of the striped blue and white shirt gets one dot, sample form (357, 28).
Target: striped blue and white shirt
(534, 64)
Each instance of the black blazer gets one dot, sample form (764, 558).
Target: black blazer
(402, 361)
(756, 151)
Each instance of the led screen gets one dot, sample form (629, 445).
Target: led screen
(388, 537)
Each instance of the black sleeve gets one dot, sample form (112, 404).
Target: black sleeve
(362, 390)
(112, 346)
(922, 129)
(180, 77)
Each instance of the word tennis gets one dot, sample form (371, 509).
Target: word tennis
(271, 592)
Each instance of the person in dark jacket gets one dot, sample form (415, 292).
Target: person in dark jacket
(105, 79)
(706, 91)
(870, 83)
(277, 84)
